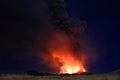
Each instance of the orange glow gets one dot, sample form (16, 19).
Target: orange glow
(70, 65)
(62, 55)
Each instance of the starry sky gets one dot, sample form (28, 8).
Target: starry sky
(102, 33)
(20, 28)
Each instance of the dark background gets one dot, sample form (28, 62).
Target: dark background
(101, 37)
(102, 34)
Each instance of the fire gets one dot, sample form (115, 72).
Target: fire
(70, 65)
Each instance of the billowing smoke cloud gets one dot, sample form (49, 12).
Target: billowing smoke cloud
(28, 27)
(63, 41)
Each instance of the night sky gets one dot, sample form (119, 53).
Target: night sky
(22, 21)
(102, 34)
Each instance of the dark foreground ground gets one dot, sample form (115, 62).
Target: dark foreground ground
(61, 77)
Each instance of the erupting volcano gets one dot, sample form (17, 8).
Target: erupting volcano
(62, 54)
(61, 50)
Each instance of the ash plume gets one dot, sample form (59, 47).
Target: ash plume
(27, 28)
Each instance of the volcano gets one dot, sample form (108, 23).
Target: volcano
(63, 55)
(62, 51)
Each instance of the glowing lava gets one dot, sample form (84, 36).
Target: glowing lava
(63, 55)
(69, 65)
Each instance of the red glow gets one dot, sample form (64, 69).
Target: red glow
(61, 54)
(70, 65)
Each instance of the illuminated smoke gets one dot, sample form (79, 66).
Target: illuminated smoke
(62, 51)
(62, 55)
(61, 47)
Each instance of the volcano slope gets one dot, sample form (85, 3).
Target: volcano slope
(109, 76)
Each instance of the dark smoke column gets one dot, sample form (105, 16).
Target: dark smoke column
(64, 41)
(61, 20)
